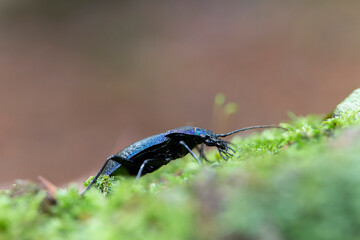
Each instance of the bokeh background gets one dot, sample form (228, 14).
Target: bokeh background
(80, 80)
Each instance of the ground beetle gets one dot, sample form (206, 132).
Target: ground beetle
(149, 154)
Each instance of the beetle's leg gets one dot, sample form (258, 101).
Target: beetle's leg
(222, 155)
(202, 155)
(225, 153)
(191, 152)
(231, 149)
(142, 168)
(113, 158)
(97, 176)
(201, 152)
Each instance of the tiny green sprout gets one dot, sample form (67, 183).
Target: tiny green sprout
(220, 99)
(231, 108)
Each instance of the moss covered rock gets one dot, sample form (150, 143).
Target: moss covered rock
(297, 184)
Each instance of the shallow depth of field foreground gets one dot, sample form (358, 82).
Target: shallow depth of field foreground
(297, 184)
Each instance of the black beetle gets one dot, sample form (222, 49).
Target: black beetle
(149, 154)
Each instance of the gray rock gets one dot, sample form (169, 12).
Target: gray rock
(351, 103)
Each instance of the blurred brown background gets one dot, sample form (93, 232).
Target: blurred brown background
(79, 80)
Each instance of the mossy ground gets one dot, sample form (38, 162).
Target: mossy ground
(299, 184)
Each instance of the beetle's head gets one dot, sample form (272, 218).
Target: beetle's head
(210, 139)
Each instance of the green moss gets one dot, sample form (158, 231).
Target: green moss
(297, 184)
(104, 183)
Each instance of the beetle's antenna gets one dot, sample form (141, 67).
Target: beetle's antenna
(248, 128)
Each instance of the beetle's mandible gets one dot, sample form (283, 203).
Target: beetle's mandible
(149, 154)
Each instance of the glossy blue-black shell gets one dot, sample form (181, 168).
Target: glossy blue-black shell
(159, 139)
(162, 147)
(142, 145)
